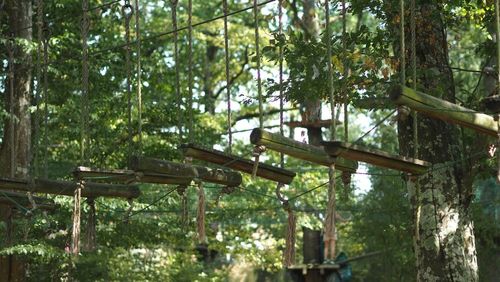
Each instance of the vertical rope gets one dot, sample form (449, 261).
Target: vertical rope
(139, 74)
(280, 54)
(257, 55)
(190, 71)
(177, 71)
(200, 216)
(91, 226)
(497, 25)
(127, 12)
(84, 139)
(75, 236)
(289, 256)
(329, 225)
(12, 114)
(45, 96)
(34, 158)
(182, 191)
(402, 41)
(346, 72)
(228, 79)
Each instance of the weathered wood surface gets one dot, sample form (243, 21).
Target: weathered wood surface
(375, 157)
(311, 124)
(58, 187)
(444, 110)
(299, 150)
(13, 199)
(237, 163)
(129, 176)
(171, 169)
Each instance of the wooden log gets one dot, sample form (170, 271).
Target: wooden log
(299, 150)
(218, 176)
(375, 157)
(58, 187)
(444, 110)
(237, 163)
(128, 176)
(13, 199)
(311, 124)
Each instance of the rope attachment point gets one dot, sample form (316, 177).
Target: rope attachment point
(257, 151)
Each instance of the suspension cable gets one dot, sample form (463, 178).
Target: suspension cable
(127, 11)
(257, 55)
(190, 72)
(12, 114)
(228, 79)
(139, 74)
(177, 71)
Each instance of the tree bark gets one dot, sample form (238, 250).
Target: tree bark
(444, 237)
(20, 17)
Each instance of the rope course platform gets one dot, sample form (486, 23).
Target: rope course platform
(444, 110)
(299, 150)
(237, 163)
(128, 176)
(67, 188)
(376, 157)
(171, 169)
(16, 199)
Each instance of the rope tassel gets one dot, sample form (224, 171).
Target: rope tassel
(200, 217)
(90, 244)
(330, 235)
(75, 237)
(289, 255)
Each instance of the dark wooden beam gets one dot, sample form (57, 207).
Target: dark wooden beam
(218, 176)
(444, 110)
(237, 163)
(58, 187)
(128, 176)
(299, 150)
(375, 157)
(13, 199)
(311, 124)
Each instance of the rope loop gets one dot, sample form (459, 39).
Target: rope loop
(181, 190)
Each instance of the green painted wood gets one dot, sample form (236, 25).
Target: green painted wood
(128, 176)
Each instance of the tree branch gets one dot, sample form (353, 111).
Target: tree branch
(254, 115)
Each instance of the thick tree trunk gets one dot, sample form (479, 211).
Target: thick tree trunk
(444, 238)
(311, 108)
(20, 14)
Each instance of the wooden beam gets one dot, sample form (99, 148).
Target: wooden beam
(128, 176)
(375, 157)
(444, 110)
(311, 124)
(58, 187)
(13, 199)
(237, 163)
(299, 150)
(218, 176)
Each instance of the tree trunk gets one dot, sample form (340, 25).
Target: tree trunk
(444, 238)
(20, 16)
(311, 108)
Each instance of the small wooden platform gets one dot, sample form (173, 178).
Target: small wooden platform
(171, 169)
(237, 163)
(375, 157)
(313, 272)
(444, 110)
(128, 176)
(300, 150)
(57, 187)
(13, 199)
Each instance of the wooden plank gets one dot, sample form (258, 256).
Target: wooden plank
(311, 124)
(237, 163)
(375, 157)
(13, 199)
(58, 187)
(128, 176)
(444, 110)
(218, 176)
(299, 150)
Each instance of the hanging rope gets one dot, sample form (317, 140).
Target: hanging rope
(45, 97)
(280, 55)
(34, 161)
(182, 191)
(177, 70)
(200, 216)
(329, 237)
(75, 237)
(127, 12)
(190, 71)
(90, 244)
(12, 114)
(257, 56)
(228, 79)
(139, 74)
(289, 253)
(497, 25)
(85, 87)
(402, 42)
(129, 210)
